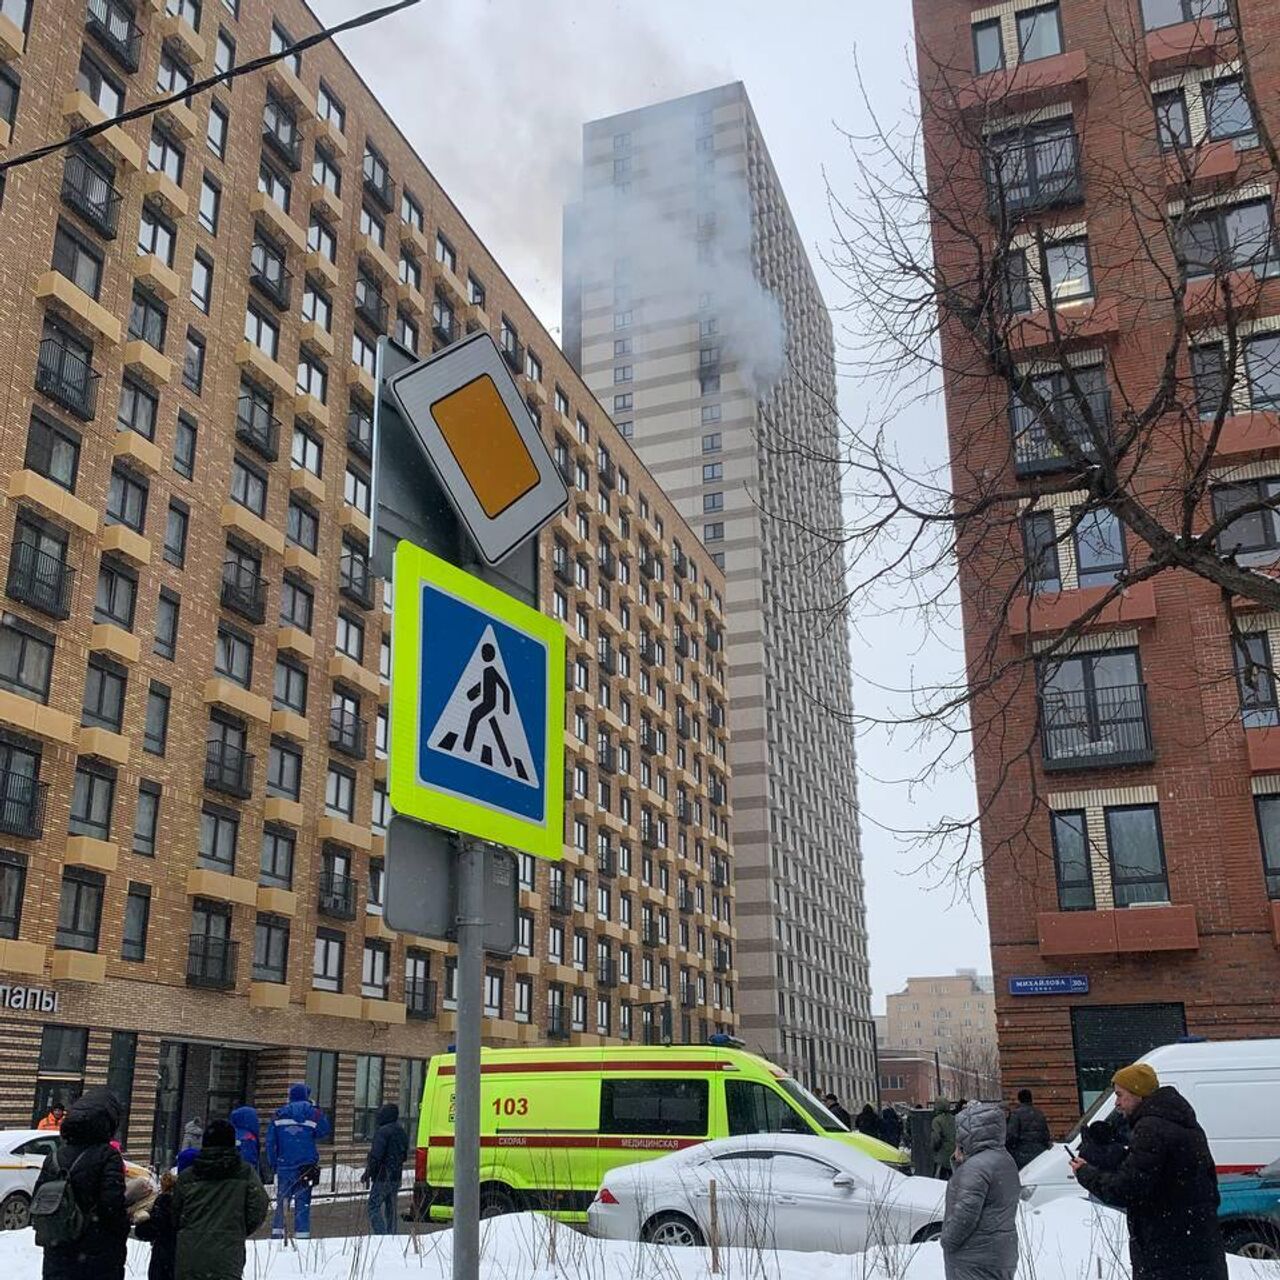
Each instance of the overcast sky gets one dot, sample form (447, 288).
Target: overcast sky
(493, 95)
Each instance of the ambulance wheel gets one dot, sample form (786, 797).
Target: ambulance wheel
(496, 1200)
(1259, 1242)
(672, 1229)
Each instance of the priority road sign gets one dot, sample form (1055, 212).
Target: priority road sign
(477, 709)
(466, 411)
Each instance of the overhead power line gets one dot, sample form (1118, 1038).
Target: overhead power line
(203, 86)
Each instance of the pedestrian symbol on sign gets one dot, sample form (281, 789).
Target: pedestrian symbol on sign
(481, 721)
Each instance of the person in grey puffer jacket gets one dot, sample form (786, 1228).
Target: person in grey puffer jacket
(980, 1222)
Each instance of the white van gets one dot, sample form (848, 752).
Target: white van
(1234, 1086)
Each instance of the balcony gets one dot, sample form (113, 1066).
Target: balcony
(718, 794)
(607, 659)
(40, 580)
(557, 1024)
(513, 354)
(442, 331)
(337, 897)
(679, 565)
(649, 838)
(360, 435)
(647, 650)
(420, 998)
(683, 725)
(211, 962)
(649, 934)
(1107, 729)
(228, 768)
(377, 182)
(608, 563)
(91, 195)
(559, 900)
(684, 812)
(371, 306)
(687, 901)
(681, 644)
(720, 876)
(606, 864)
(63, 376)
(1034, 451)
(256, 427)
(606, 973)
(1158, 927)
(688, 995)
(606, 758)
(714, 641)
(567, 471)
(280, 133)
(607, 474)
(648, 741)
(723, 962)
(22, 801)
(114, 28)
(355, 580)
(1033, 175)
(268, 274)
(1188, 44)
(649, 567)
(348, 733)
(244, 591)
(715, 715)
(1024, 84)
(562, 568)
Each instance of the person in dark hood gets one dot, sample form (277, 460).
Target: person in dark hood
(387, 1154)
(833, 1105)
(217, 1205)
(891, 1127)
(1028, 1131)
(245, 1122)
(158, 1226)
(980, 1220)
(1167, 1183)
(97, 1183)
(867, 1121)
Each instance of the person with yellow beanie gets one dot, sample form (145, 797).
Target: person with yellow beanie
(1167, 1184)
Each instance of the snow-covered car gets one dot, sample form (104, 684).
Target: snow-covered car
(22, 1153)
(771, 1191)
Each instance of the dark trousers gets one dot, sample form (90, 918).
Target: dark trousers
(382, 1207)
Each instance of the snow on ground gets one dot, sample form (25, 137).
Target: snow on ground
(1068, 1239)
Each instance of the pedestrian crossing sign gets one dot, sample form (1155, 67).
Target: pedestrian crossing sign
(477, 707)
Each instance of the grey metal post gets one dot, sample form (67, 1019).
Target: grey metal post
(466, 1123)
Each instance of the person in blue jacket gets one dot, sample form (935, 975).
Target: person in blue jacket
(292, 1154)
(245, 1122)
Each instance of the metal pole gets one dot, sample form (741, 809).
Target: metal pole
(466, 1124)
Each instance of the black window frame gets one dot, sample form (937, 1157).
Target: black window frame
(13, 885)
(133, 948)
(160, 699)
(45, 435)
(270, 933)
(187, 429)
(1117, 882)
(28, 635)
(982, 27)
(106, 686)
(167, 648)
(144, 842)
(89, 889)
(148, 319)
(176, 529)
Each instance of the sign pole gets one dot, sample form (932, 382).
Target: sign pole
(466, 1123)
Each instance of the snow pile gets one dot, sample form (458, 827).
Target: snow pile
(1069, 1239)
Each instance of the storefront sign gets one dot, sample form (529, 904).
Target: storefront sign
(1054, 984)
(32, 999)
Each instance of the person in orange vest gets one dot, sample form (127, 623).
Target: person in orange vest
(54, 1119)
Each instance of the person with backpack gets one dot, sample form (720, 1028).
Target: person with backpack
(218, 1204)
(78, 1208)
(387, 1154)
(293, 1156)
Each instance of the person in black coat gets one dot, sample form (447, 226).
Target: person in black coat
(891, 1127)
(867, 1121)
(1167, 1183)
(387, 1154)
(1027, 1134)
(97, 1182)
(833, 1105)
(1102, 1147)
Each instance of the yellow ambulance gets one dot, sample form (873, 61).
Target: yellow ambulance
(553, 1122)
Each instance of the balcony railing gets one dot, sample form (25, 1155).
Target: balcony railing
(681, 643)
(360, 435)
(717, 794)
(442, 330)
(606, 864)
(1027, 175)
(688, 996)
(559, 899)
(648, 741)
(684, 811)
(371, 306)
(715, 715)
(567, 471)
(269, 275)
(420, 997)
(91, 195)
(337, 897)
(723, 962)
(649, 567)
(1034, 450)
(378, 183)
(606, 973)
(679, 565)
(256, 426)
(1108, 727)
(649, 934)
(513, 354)
(713, 640)
(22, 801)
(211, 962)
(355, 580)
(41, 580)
(607, 474)
(63, 376)
(347, 733)
(648, 651)
(114, 26)
(228, 768)
(684, 725)
(686, 901)
(557, 1024)
(720, 876)
(244, 591)
(563, 571)
(649, 838)
(606, 759)
(608, 563)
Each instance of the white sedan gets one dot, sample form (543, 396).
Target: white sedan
(22, 1153)
(770, 1191)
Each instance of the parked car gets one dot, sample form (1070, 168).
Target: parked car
(1234, 1086)
(1250, 1213)
(773, 1191)
(22, 1153)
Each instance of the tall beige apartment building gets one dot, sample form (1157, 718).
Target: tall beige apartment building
(954, 1016)
(194, 650)
(692, 311)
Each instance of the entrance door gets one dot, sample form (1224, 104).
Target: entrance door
(200, 1082)
(1108, 1037)
(167, 1128)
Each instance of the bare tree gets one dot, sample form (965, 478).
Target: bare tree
(1105, 387)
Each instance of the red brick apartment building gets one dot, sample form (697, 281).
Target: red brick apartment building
(193, 648)
(1104, 163)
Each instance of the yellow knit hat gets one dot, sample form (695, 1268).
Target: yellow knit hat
(1139, 1079)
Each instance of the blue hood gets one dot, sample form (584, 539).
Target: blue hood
(299, 1111)
(299, 1092)
(245, 1118)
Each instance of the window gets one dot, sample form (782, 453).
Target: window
(1074, 401)
(375, 971)
(372, 226)
(1040, 544)
(475, 292)
(248, 486)
(146, 819)
(95, 83)
(623, 402)
(284, 771)
(1261, 355)
(275, 866)
(1227, 113)
(148, 319)
(219, 834)
(712, 502)
(1232, 238)
(355, 489)
(270, 949)
(116, 594)
(210, 204)
(224, 52)
(321, 240)
(137, 912)
(1267, 809)
(410, 210)
(79, 910)
(713, 531)
(274, 185)
(76, 259)
(296, 605)
(262, 332)
(1167, 13)
(166, 637)
(215, 132)
(184, 446)
(988, 46)
(53, 450)
(157, 719)
(193, 362)
(165, 156)
(1258, 530)
(1094, 705)
(445, 254)
(663, 1107)
(233, 655)
(304, 526)
(91, 799)
(326, 967)
(1099, 547)
(340, 793)
(26, 658)
(126, 500)
(330, 108)
(104, 690)
(13, 879)
(349, 639)
(406, 331)
(175, 534)
(307, 452)
(1039, 33)
(1173, 128)
(368, 1097)
(363, 352)
(410, 270)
